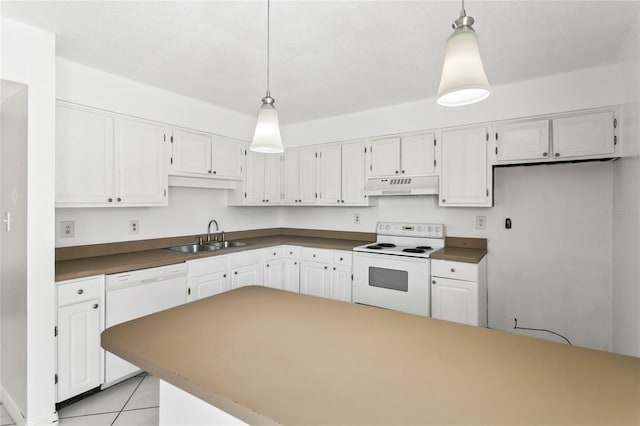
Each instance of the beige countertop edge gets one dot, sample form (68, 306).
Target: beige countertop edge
(116, 263)
(459, 254)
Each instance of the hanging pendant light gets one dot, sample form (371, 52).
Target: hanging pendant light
(267, 137)
(463, 80)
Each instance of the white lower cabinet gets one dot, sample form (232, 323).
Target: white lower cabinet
(274, 273)
(315, 279)
(459, 291)
(208, 277)
(341, 276)
(80, 321)
(246, 269)
(326, 273)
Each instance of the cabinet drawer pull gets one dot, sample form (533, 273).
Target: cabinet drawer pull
(110, 200)
(119, 199)
(80, 291)
(267, 265)
(557, 154)
(235, 273)
(544, 154)
(295, 263)
(95, 306)
(453, 269)
(334, 268)
(224, 276)
(314, 255)
(341, 259)
(433, 282)
(325, 267)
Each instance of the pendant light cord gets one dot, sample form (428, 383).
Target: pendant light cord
(268, 43)
(463, 12)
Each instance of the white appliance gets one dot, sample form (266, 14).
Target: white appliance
(418, 185)
(131, 295)
(394, 272)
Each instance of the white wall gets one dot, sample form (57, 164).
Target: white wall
(626, 210)
(13, 245)
(189, 210)
(28, 57)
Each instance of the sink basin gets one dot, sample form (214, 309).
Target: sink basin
(194, 248)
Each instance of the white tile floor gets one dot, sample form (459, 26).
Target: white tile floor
(133, 402)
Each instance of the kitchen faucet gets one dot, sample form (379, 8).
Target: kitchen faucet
(218, 231)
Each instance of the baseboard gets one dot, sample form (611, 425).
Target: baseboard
(12, 408)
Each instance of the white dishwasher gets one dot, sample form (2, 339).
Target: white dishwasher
(131, 295)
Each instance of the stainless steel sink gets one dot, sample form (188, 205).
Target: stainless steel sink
(194, 248)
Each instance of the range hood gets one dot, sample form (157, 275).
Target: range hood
(421, 185)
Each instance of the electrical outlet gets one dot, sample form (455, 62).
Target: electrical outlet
(134, 226)
(356, 218)
(67, 229)
(481, 222)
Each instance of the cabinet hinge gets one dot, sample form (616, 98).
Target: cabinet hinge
(487, 135)
(55, 379)
(434, 163)
(365, 149)
(316, 195)
(351, 277)
(371, 149)
(496, 150)
(316, 155)
(434, 142)
(615, 123)
(615, 139)
(55, 331)
(171, 161)
(371, 167)
(496, 135)
(189, 291)
(171, 138)
(245, 195)
(487, 192)
(165, 192)
(164, 138)
(245, 152)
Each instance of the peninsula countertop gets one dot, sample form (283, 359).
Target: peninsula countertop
(268, 356)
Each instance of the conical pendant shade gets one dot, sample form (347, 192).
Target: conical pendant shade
(267, 137)
(463, 80)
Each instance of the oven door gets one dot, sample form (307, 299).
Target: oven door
(393, 282)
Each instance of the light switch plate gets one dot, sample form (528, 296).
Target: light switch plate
(134, 226)
(67, 229)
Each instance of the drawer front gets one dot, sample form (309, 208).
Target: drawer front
(292, 252)
(275, 252)
(245, 259)
(316, 255)
(208, 266)
(342, 257)
(455, 270)
(80, 290)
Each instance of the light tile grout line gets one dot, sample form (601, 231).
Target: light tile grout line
(129, 399)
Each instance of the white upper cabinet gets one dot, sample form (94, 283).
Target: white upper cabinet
(412, 155)
(308, 176)
(272, 178)
(142, 175)
(291, 177)
(466, 177)
(105, 160)
(353, 173)
(300, 176)
(418, 155)
(262, 183)
(385, 157)
(582, 135)
(198, 154)
(528, 140)
(330, 169)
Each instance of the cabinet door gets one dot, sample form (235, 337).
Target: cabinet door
(523, 141)
(191, 153)
(140, 165)
(454, 300)
(308, 176)
(330, 178)
(465, 176)
(208, 285)
(315, 279)
(353, 173)
(589, 134)
(226, 158)
(291, 177)
(273, 178)
(274, 274)
(292, 275)
(254, 178)
(385, 157)
(84, 157)
(341, 283)
(79, 352)
(417, 155)
(245, 276)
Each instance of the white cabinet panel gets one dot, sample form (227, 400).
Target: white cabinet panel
(226, 158)
(208, 285)
(291, 177)
(274, 273)
(385, 157)
(308, 176)
(245, 276)
(353, 173)
(79, 353)
(141, 169)
(587, 134)
(272, 178)
(418, 155)
(84, 157)
(315, 279)
(263, 179)
(527, 140)
(254, 178)
(454, 300)
(330, 168)
(292, 275)
(191, 152)
(466, 175)
(341, 283)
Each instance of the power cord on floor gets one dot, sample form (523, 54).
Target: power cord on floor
(515, 327)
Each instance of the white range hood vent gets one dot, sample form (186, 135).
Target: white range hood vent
(421, 185)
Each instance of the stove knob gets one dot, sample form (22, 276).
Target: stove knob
(387, 227)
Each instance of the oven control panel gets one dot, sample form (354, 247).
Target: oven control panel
(426, 230)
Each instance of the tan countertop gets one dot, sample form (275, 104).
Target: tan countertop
(268, 356)
(122, 262)
(457, 249)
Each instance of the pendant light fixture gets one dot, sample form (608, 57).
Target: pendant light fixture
(267, 137)
(463, 80)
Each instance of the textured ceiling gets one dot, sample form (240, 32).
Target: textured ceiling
(327, 57)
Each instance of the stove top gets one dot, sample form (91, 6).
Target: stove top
(406, 239)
